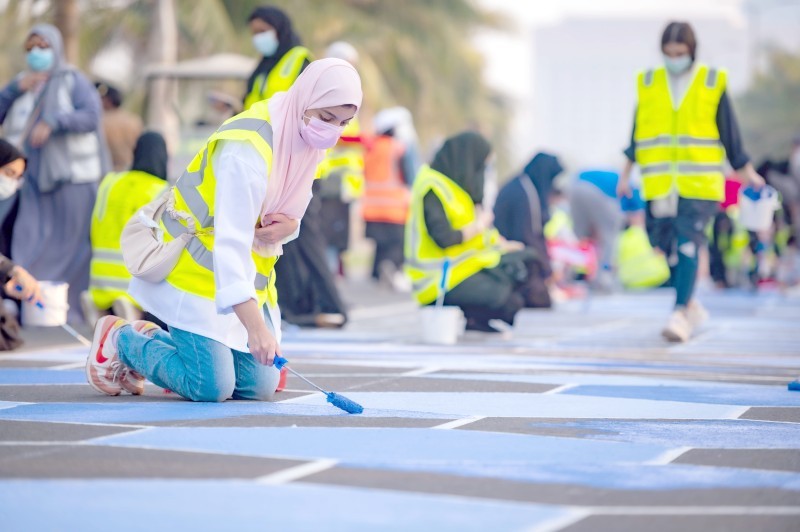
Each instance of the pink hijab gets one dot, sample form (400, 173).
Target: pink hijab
(324, 83)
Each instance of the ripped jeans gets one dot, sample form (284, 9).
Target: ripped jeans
(681, 237)
(196, 367)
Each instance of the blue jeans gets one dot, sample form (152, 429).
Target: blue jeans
(196, 367)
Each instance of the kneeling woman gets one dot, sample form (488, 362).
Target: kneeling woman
(447, 223)
(246, 191)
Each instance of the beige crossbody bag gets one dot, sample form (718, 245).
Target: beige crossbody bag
(145, 253)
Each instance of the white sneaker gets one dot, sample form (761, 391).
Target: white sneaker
(678, 328)
(696, 313)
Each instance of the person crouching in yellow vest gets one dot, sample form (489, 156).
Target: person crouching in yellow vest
(243, 194)
(446, 223)
(119, 196)
(683, 130)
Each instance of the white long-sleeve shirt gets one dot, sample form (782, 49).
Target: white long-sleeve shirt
(240, 190)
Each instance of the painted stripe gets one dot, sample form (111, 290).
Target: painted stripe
(458, 422)
(294, 473)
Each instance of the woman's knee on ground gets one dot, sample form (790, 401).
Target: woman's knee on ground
(261, 387)
(212, 387)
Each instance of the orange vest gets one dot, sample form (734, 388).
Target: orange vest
(386, 196)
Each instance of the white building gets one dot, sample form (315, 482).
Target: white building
(583, 98)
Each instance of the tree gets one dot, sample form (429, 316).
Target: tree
(769, 110)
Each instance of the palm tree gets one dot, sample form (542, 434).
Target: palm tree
(415, 53)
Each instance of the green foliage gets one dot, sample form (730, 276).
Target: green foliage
(414, 53)
(770, 110)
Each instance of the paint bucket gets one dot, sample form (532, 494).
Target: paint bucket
(54, 300)
(441, 325)
(757, 208)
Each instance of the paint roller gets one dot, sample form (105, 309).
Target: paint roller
(339, 401)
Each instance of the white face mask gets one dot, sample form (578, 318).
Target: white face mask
(266, 42)
(9, 186)
(678, 65)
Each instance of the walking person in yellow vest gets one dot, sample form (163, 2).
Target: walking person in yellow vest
(683, 131)
(120, 195)
(447, 223)
(283, 58)
(241, 198)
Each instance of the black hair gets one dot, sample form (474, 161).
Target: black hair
(680, 32)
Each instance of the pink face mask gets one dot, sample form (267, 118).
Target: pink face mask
(320, 135)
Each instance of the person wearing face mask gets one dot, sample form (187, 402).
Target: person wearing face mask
(486, 273)
(120, 195)
(283, 58)
(244, 193)
(684, 129)
(53, 112)
(19, 284)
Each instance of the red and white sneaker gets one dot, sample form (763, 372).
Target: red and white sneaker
(104, 369)
(147, 328)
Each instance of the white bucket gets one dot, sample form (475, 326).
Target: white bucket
(54, 300)
(757, 215)
(441, 325)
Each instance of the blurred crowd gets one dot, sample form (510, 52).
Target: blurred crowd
(76, 166)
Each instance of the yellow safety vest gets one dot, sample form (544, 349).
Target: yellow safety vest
(344, 165)
(424, 258)
(119, 196)
(638, 264)
(280, 78)
(680, 148)
(194, 194)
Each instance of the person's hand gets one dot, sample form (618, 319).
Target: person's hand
(508, 246)
(275, 228)
(39, 134)
(753, 178)
(22, 285)
(30, 80)
(262, 344)
(624, 185)
(484, 219)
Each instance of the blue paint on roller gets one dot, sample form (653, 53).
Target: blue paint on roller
(337, 400)
(794, 386)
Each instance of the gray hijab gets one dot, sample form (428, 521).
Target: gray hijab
(58, 72)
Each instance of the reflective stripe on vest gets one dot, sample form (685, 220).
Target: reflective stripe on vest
(119, 196)
(194, 196)
(280, 78)
(424, 259)
(680, 148)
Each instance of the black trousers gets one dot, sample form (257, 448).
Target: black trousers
(304, 282)
(389, 240)
(500, 292)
